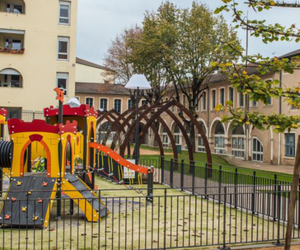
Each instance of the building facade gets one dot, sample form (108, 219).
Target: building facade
(37, 52)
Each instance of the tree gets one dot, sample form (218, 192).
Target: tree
(253, 85)
(181, 44)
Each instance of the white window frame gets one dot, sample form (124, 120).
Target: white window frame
(128, 103)
(220, 96)
(219, 150)
(65, 76)
(295, 147)
(120, 104)
(66, 3)
(231, 87)
(239, 98)
(107, 103)
(202, 101)
(238, 137)
(257, 152)
(91, 98)
(200, 148)
(165, 139)
(211, 101)
(63, 39)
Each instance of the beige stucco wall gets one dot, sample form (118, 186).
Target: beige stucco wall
(92, 74)
(39, 64)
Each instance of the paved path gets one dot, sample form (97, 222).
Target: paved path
(264, 166)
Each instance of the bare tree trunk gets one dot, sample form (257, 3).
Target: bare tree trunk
(291, 212)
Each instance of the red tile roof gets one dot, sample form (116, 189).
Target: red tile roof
(100, 88)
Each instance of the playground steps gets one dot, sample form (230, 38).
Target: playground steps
(25, 207)
(81, 193)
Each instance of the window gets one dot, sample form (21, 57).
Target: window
(204, 101)
(64, 13)
(165, 138)
(103, 104)
(117, 105)
(254, 103)
(130, 104)
(222, 96)
(63, 48)
(144, 102)
(13, 113)
(231, 95)
(14, 44)
(257, 151)
(238, 142)
(177, 135)
(241, 100)
(15, 8)
(213, 99)
(269, 101)
(89, 101)
(62, 82)
(201, 147)
(219, 138)
(10, 78)
(289, 145)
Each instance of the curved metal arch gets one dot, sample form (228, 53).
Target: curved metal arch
(192, 119)
(176, 120)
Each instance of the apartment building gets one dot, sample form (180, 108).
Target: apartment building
(37, 52)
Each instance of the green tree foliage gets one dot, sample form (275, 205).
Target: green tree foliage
(253, 85)
(179, 45)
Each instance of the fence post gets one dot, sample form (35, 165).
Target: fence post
(278, 243)
(205, 180)
(150, 185)
(220, 182)
(162, 164)
(165, 219)
(274, 197)
(1, 181)
(253, 193)
(235, 187)
(182, 175)
(171, 172)
(33, 115)
(224, 220)
(193, 176)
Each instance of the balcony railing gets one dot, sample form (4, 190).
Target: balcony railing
(12, 51)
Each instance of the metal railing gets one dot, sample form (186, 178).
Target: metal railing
(173, 220)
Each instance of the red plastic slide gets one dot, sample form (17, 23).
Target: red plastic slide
(115, 156)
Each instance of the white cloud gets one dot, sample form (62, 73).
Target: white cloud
(99, 21)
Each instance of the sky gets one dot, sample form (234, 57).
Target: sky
(100, 21)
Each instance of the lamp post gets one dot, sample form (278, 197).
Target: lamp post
(137, 82)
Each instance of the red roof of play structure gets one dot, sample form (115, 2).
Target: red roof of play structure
(3, 112)
(19, 126)
(84, 111)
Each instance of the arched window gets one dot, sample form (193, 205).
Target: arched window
(219, 138)
(10, 78)
(238, 142)
(257, 151)
(165, 138)
(201, 147)
(177, 136)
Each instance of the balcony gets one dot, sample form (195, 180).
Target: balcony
(12, 41)
(10, 78)
(13, 6)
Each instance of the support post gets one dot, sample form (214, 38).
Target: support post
(137, 132)
(150, 185)
(253, 193)
(224, 247)
(205, 180)
(1, 171)
(235, 187)
(274, 197)
(193, 176)
(292, 203)
(220, 182)
(182, 175)
(278, 243)
(29, 158)
(84, 149)
(60, 121)
(162, 164)
(171, 172)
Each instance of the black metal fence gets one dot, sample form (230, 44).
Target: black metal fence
(173, 220)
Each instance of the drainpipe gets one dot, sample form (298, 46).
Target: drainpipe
(208, 113)
(280, 112)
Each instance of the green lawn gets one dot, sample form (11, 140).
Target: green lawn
(200, 160)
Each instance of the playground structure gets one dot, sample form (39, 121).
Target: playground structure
(51, 157)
